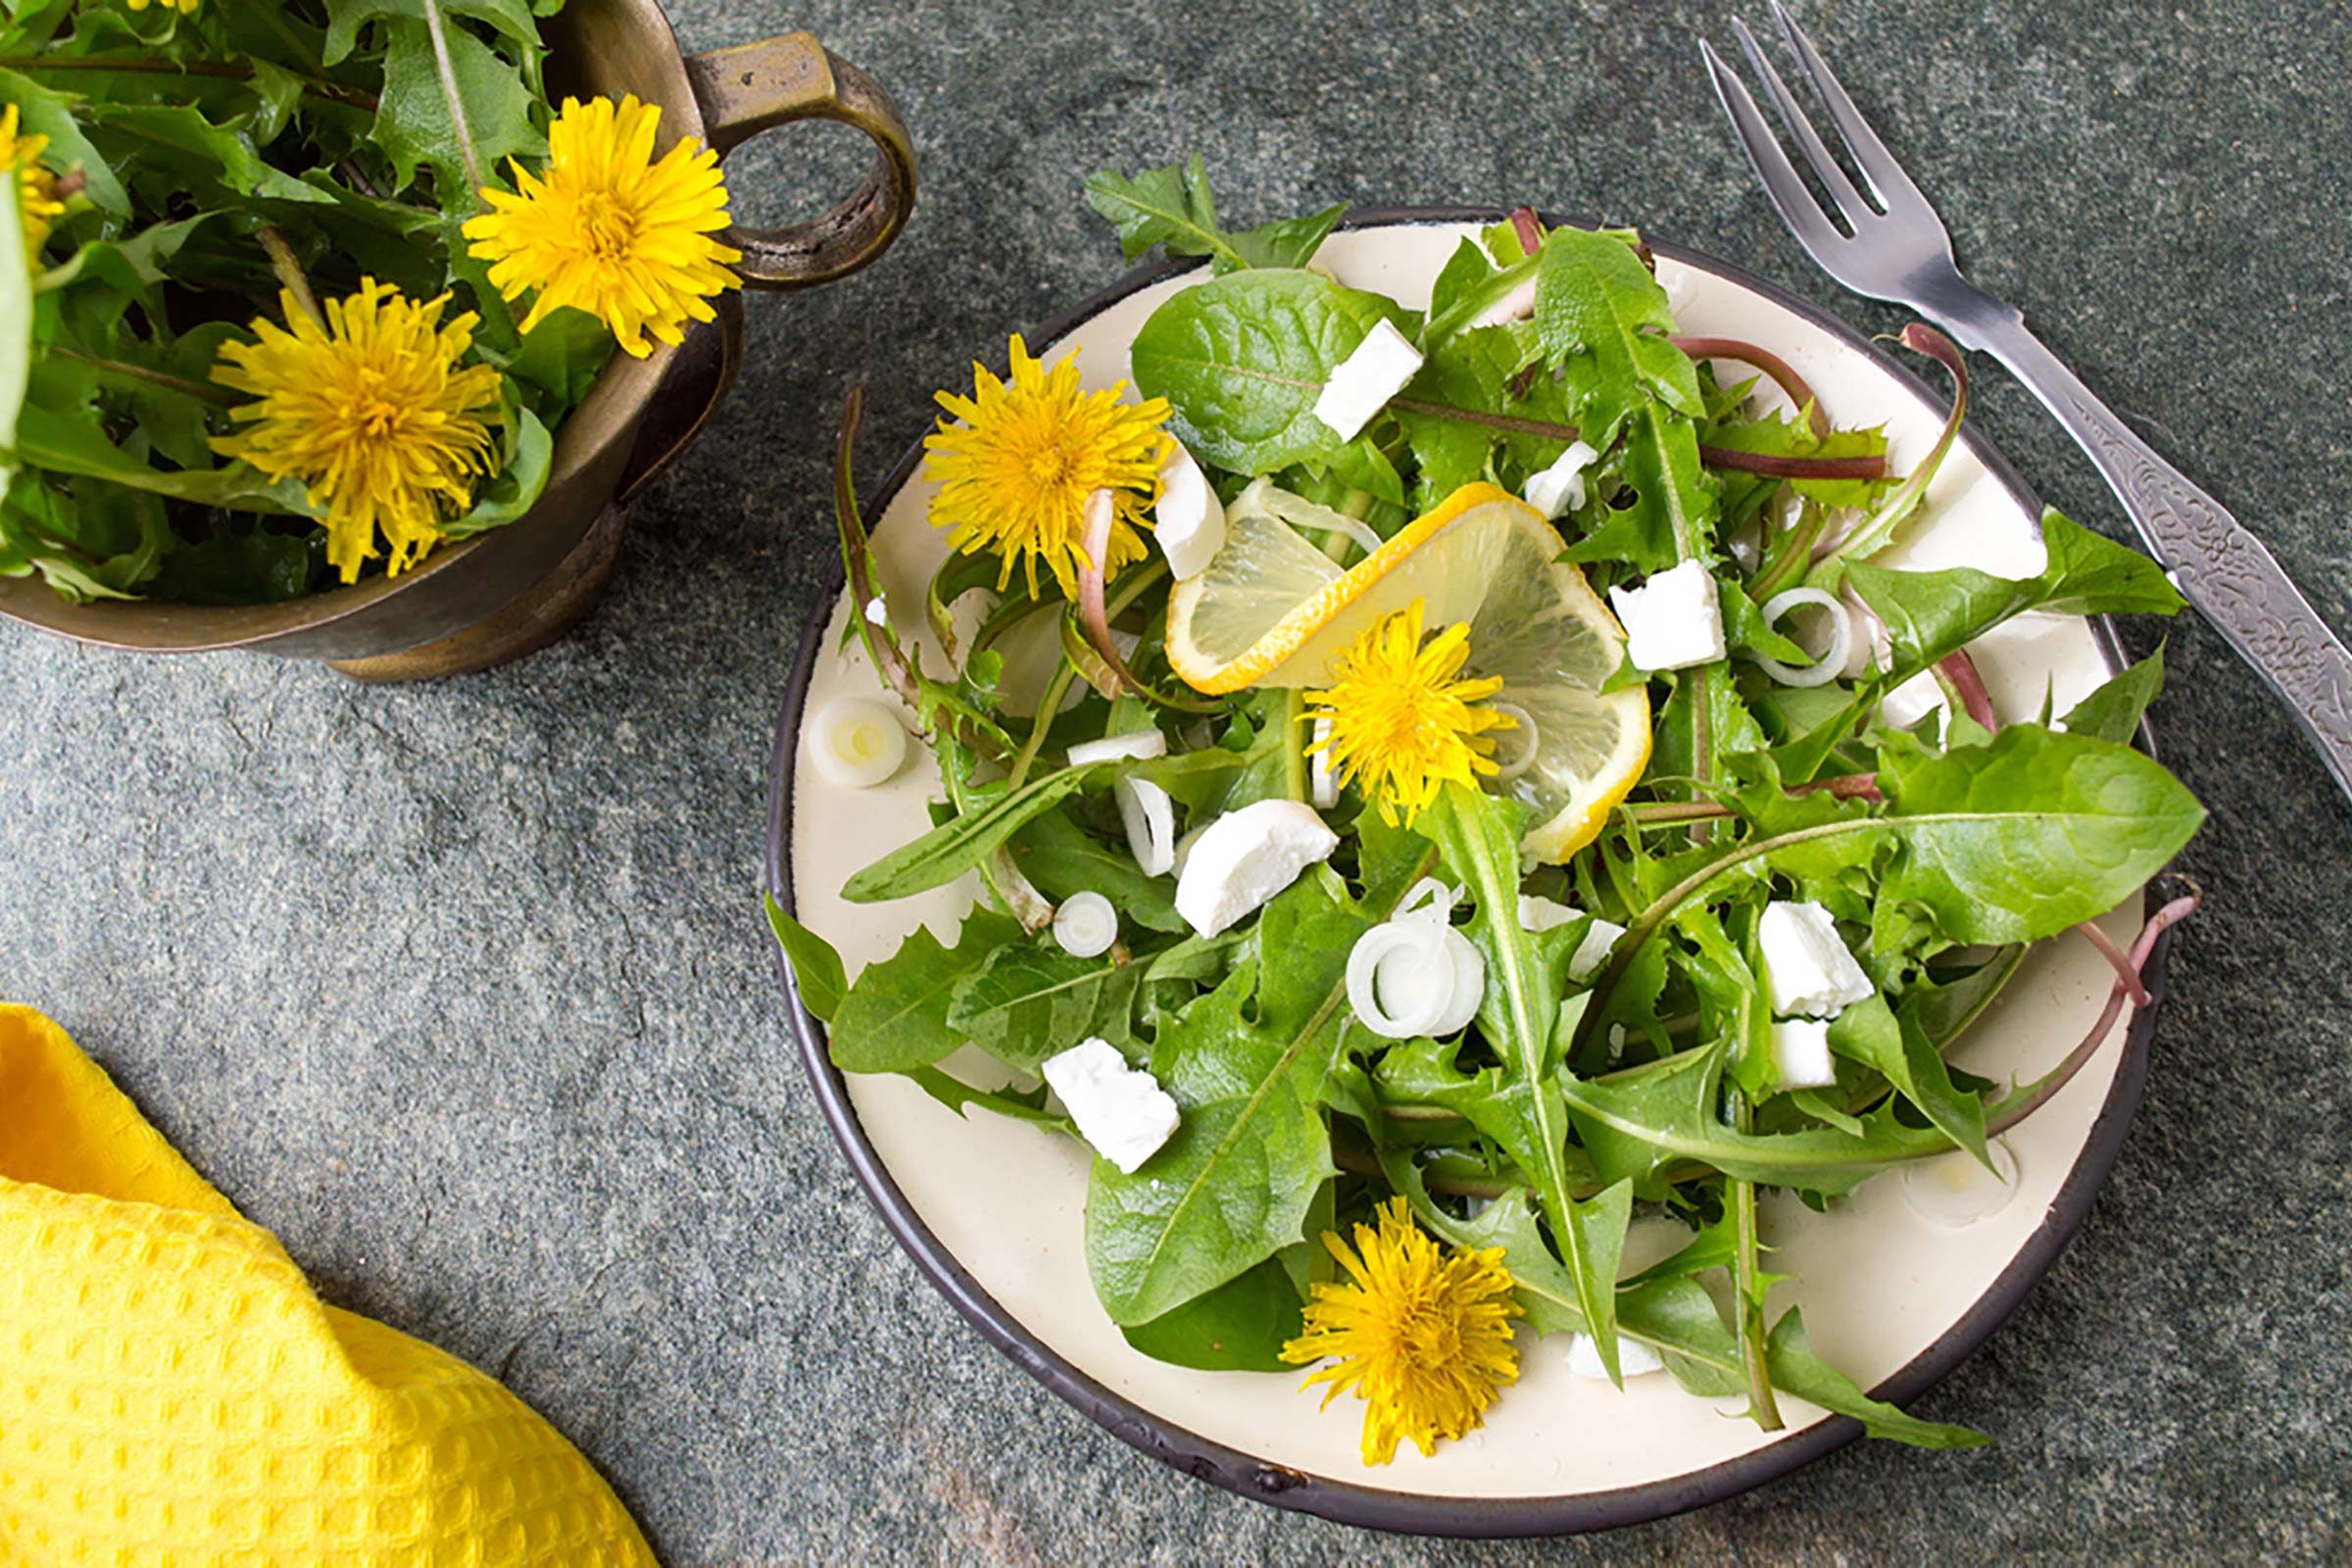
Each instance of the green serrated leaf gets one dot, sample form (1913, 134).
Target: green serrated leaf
(2113, 712)
(1236, 1183)
(45, 111)
(1029, 999)
(560, 358)
(817, 969)
(894, 1017)
(1931, 615)
(415, 126)
(1241, 1326)
(511, 19)
(1173, 208)
(1901, 1052)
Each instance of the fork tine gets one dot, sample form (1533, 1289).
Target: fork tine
(1782, 183)
(1883, 175)
(1826, 167)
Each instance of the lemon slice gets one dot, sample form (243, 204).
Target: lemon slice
(1272, 609)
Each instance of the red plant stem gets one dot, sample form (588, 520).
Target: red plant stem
(2126, 973)
(856, 560)
(1778, 467)
(1783, 373)
(1101, 512)
(1961, 671)
(2006, 1116)
(1845, 787)
(1530, 228)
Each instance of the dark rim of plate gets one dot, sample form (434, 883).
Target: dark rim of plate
(1372, 1507)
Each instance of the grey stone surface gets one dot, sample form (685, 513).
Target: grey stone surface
(463, 989)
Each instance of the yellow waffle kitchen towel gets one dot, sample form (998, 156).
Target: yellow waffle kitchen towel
(172, 1391)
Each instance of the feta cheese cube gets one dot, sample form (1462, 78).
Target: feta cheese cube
(1188, 520)
(1601, 940)
(1808, 970)
(1246, 858)
(1538, 913)
(1634, 1359)
(1119, 1109)
(1362, 383)
(1561, 487)
(1672, 622)
(1800, 1055)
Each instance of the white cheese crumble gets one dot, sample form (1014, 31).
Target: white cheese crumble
(1246, 858)
(1538, 913)
(1362, 383)
(1561, 487)
(1800, 1054)
(1808, 970)
(1122, 1110)
(1672, 622)
(1188, 520)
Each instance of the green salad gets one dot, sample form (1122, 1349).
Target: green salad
(1486, 790)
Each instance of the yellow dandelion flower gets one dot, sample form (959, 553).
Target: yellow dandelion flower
(1423, 1338)
(36, 188)
(1014, 476)
(1400, 723)
(609, 228)
(373, 410)
(184, 7)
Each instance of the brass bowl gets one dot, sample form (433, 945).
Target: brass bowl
(504, 593)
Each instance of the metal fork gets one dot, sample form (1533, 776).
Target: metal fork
(1894, 247)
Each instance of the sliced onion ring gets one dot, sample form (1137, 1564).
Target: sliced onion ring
(1137, 745)
(1426, 955)
(1421, 943)
(1151, 819)
(1469, 985)
(1522, 725)
(1832, 664)
(1428, 899)
(1322, 780)
(1085, 925)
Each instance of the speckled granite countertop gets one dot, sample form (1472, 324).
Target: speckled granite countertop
(462, 987)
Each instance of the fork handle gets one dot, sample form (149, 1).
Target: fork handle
(2217, 563)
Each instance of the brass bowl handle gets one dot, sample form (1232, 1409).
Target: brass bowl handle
(748, 88)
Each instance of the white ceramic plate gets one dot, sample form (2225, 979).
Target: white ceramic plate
(992, 1209)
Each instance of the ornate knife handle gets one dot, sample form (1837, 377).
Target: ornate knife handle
(2216, 563)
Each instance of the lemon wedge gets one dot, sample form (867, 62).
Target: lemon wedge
(1273, 610)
